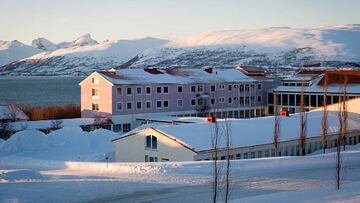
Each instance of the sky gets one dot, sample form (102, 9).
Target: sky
(65, 20)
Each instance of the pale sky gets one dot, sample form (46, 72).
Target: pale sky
(65, 20)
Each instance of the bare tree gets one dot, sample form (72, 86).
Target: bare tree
(56, 124)
(302, 137)
(215, 142)
(228, 158)
(344, 111)
(276, 132)
(325, 114)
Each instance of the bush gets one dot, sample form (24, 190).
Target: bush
(52, 112)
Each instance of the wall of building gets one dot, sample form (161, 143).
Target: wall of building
(104, 99)
(286, 148)
(133, 148)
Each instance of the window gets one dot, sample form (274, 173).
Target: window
(212, 88)
(151, 142)
(229, 100)
(259, 154)
(139, 105)
(200, 88)
(166, 103)
(241, 88)
(200, 101)
(95, 92)
(246, 156)
(238, 156)
(212, 101)
(259, 86)
(119, 91)
(180, 89)
(229, 87)
(252, 155)
(95, 80)
(148, 90)
(165, 90)
(222, 86)
(129, 105)
(241, 100)
(117, 127)
(193, 102)
(193, 88)
(222, 99)
(259, 99)
(128, 91)
(158, 90)
(126, 127)
(139, 90)
(148, 104)
(179, 102)
(119, 106)
(158, 104)
(95, 106)
(247, 88)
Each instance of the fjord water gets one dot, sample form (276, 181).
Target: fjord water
(40, 90)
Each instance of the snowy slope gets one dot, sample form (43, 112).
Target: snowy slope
(271, 47)
(43, 44)
(81, 57)
(14, 50)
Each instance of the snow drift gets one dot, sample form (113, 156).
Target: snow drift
(68, 143)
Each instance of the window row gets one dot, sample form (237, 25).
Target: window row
(148, 105)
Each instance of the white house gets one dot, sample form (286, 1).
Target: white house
(250, 138)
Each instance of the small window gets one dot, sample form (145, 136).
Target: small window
(200, 101)
(229, 87)
(151, 142)
(229, 100)
(259, 86)
(247, 88)
(148, 90)
(166, 90)
(166, 104)
(148, 104)
(119, 106)
(241, 88)
(158, 104)
(128, 91)
(193, 102)
(146, 158)
(212, 88)
(95, 106)
(129, 105)
(119, 91)
(126, 127)
(180, 89)
(193, 88)
(117, 127)
(179, 102)
(158, 90)
(139, 105)
(95, 92)
(139, 90)
(259, 99)
(212, 101)
(95, 80)
(200, 88)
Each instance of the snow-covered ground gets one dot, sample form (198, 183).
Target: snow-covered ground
(285, 179)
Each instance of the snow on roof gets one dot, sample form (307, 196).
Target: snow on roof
(246, 132)
(44, 124)
(351, 89)
(173, 119)
(4, 113)
(182, 76)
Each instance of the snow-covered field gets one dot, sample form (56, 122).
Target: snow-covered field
(285, 179)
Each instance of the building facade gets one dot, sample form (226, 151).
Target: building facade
(126, 95)
(314, 84)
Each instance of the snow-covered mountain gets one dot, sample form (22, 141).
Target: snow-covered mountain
(275, 48)
(14, 50)
(270, 47)
(43, 44)
(81, 57)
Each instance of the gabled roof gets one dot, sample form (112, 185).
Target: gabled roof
(174, 76)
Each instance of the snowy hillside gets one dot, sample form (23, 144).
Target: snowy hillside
(14, 50)
(43, 44)
(81, 57)
(270, 47)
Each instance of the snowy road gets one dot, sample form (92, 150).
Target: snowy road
(29, 180)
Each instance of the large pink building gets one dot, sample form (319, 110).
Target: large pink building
(127, 96)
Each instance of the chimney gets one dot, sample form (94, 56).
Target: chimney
(208, 69)
(112, 71)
